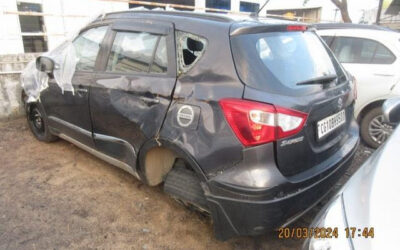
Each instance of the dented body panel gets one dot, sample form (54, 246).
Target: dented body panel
(129, 109)
(211, 79)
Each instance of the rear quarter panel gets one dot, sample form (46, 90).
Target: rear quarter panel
(211, 142)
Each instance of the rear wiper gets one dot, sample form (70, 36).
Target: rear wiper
(319, 80)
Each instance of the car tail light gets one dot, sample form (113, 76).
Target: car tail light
(296, 28)
(256, 123)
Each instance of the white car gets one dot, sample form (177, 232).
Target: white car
(364, 214)
(372, 55)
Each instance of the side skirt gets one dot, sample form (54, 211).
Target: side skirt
(104, 157)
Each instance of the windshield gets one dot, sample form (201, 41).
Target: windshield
(277, 61)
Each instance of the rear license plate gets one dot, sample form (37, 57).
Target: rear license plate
(330, 123)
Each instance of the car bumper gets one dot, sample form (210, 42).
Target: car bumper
(237, 210)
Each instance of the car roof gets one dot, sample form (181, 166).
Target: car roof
(325, 26)
(190, 18)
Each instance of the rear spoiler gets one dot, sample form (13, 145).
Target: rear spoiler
(270, 28)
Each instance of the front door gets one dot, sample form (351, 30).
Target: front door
(132, 91)
(68, 111)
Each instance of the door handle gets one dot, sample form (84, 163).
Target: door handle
(82, 89)
(379, 74)
(150, 101)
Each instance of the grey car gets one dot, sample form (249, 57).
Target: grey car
(232, 115)
(364, 214)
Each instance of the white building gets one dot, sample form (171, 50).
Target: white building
(322, 10)
(54, 20)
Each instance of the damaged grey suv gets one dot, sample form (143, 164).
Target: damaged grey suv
(248, 119)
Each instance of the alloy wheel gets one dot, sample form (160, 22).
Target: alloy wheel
(379, 130)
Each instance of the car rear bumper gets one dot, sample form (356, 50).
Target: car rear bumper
(237, 210)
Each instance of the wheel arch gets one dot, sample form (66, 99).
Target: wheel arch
(163, 150)
(369, 107)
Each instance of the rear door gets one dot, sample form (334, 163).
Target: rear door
(68, 111)
(373, 64)
(132, 89)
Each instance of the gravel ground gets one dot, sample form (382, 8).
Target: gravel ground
(58, 196)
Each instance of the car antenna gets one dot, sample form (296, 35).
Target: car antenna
(259, 10)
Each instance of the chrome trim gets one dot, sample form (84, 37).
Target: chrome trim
(101, 155)
(71, 126)
(82, 90)
(114, 140)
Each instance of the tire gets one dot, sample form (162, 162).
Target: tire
(374, 131)
(37, 121)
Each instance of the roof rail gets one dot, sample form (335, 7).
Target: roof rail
(190, 14)
(325, 26)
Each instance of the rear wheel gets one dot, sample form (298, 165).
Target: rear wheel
(183, 185)
(37, 122)
(374, 130)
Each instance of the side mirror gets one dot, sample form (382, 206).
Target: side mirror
(45, 64)
(391, 110)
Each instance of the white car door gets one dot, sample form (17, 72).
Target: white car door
(373, 57)
(373, 64)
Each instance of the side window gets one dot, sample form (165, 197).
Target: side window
(160, 58)
(383, 56)
(190, 48)
(87, 46)
(359, 50)
(134, 51)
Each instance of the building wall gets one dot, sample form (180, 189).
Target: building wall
(10, 88)
(308, 15)
(329, 12)
(67, 17)
(57, 27)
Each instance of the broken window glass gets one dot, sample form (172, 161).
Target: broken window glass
(190, 48)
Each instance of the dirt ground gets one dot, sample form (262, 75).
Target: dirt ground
(58, 196)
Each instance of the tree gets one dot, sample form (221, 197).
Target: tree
(342, 6)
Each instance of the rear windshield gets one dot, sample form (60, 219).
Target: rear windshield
(277, 61)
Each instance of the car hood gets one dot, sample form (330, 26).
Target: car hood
(371, 197)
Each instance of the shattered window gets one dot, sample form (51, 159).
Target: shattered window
(160, 58)
(190, 49)
(132, 52)
(87, 46)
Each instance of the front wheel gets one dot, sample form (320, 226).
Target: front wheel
(38, 124)
(374, 130)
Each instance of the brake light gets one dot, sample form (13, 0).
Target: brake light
(296, 28)
(257, 123)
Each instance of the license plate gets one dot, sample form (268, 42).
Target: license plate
(330, 123)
